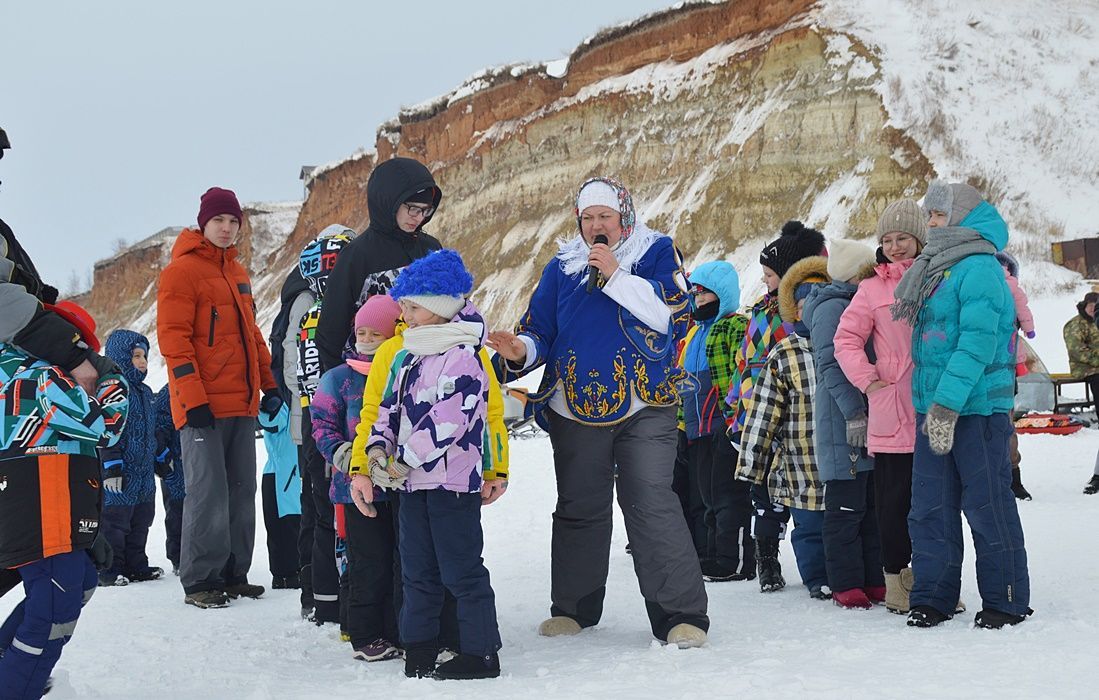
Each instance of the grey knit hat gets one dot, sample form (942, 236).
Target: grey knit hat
(955, 200)
(904, 216)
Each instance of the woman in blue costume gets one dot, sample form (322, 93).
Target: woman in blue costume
(608, 398)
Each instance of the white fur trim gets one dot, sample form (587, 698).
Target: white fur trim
(573, 254)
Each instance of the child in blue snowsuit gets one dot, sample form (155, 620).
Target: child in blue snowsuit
(963, 315)
(169, 467)
(50, 473)
(129, 490)
(281, 489)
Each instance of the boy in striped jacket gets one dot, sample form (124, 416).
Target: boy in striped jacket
(50, 504)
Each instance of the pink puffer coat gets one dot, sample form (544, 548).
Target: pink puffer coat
(892, 416)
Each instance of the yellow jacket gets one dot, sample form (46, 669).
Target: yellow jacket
(496, 466)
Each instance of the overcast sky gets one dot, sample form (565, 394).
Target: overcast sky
(121, 114)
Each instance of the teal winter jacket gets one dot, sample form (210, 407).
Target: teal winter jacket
(961, 343)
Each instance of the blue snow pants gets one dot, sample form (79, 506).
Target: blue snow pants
(974, 478)
(807, 539)
(440, 545)
(31, 638)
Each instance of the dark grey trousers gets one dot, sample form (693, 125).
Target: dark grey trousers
(585, 457)
(219, 512)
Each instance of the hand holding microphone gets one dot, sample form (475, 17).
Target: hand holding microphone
(600, 260)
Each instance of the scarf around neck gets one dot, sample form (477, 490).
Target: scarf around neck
(437, 339)
(572, 254)
(945, 248)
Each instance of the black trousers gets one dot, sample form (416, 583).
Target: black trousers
(173, 527)
(893, 500)
(325, 575)
(728, 508)
(852, 549)
(305, 534)
(373, 574)
(685, 483)
(282, 533)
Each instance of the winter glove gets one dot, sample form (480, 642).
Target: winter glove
(270, 404)
(163, 467)
(341, 458)
(391, 476)
(1030, 334)
(939, 428)
(200, 416)
(113, 479)
(101, 553)
(856, 432)
(103, 365)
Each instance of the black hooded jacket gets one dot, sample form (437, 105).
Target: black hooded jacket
(45, 335)
(369, 264)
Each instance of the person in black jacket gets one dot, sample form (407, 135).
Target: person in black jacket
(28, 324)
(402, 197)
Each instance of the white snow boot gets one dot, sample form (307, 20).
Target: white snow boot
(559, 626)
(686, 636)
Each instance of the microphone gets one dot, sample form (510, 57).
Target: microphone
(593, 271)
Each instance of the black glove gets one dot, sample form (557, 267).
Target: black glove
(270, 404)
(101, 553)
(163, 467)
(103, 364)
(200, 416)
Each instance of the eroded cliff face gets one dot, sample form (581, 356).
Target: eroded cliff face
(724, 120)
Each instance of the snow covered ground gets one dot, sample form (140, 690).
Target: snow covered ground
(142, 641)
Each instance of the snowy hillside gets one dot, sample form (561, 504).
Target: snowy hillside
(1004, 92)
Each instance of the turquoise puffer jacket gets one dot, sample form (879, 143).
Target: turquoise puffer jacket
(961, 344)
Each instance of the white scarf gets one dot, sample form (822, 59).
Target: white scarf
(573, 254)
(438, 338)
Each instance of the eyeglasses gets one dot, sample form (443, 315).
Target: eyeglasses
(417, 210)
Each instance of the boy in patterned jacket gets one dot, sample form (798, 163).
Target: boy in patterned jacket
(428, 440)
(777, 447)
(50, 504)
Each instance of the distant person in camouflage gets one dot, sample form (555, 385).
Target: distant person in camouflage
(1082, 342)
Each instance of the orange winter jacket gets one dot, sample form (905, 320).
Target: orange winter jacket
(206, 326)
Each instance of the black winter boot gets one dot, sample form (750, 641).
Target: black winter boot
(1092, 486)
(469, 667)
(419, 659)
(1017, 487)
(994, 619)
(770, 571)
(926, 616)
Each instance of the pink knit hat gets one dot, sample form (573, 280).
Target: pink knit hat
(379, 313)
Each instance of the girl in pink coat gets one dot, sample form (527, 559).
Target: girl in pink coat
(885, 376)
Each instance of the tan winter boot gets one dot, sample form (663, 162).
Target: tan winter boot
(686, 636)
(897, 588)
(559, 626)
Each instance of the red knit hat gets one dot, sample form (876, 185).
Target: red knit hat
(379, 313)
(79, 317)
(218, 201)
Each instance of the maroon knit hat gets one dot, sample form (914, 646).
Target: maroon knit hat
(218, 201)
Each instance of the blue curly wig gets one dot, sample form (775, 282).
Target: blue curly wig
(441, 273)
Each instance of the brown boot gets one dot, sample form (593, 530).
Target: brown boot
(897, 588)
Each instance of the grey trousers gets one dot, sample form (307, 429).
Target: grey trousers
(585, 457)
(219, 512)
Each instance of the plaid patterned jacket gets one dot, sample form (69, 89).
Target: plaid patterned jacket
(777, 443)
(721, 349)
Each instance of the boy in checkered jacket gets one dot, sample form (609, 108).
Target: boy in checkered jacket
(777, 442)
